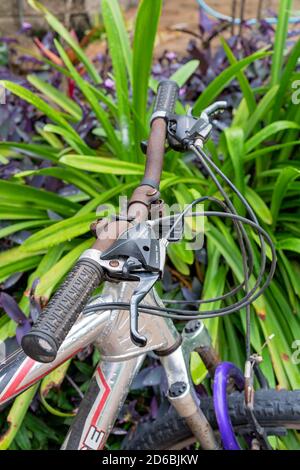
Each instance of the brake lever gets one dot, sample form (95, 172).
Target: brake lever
(214, 110)
(130, 269)
(146, 282)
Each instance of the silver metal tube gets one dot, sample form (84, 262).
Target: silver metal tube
(183, 397)
(18, 372)
(101, 405)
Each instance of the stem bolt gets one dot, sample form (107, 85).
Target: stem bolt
(151, 192)
(177, 389)
(114, 263)
(192, 326)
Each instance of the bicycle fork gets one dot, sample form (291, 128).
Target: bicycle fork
(182, 396)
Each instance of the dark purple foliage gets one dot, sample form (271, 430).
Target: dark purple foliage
(213, 59)
(85, 353)
(22, 330)
(168, 282)
(129, 413)
(154, 407)
(11, 281)
(26, 27)
(206, 24)
(35, 306)
(152, 376)
(109, 84)
(6, 40)
(148, 377)
(189, 295)
(12, 309)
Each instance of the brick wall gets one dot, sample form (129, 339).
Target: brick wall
(74, 13)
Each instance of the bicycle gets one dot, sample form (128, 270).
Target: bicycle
(129, 254)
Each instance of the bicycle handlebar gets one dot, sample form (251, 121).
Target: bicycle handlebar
(56, 320)
(167, 95)
(58, 317)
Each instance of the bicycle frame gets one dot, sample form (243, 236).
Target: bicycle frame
(120, 362)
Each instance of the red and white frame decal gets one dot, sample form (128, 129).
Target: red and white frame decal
(19, 381)
(17, 384)
(94, 437)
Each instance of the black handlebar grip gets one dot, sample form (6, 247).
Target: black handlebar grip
(58, 317)
(167, 95)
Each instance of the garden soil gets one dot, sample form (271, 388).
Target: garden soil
(179, 16)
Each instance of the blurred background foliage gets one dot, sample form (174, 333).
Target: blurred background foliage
(70, 138)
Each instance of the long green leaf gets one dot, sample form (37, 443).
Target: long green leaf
(214, 284)
(68, 105)
(38, 197)
(261, 110)
(285, 80)
(280, 40)
(44, 152)
(241, 115)
(50, 259)
(54, 276)
(50, 138)
(290, 267)
(66, 36)
(184, 73)
(88, 93)
(73, 140)
(19, 265)
(219, 83)
(106, 196)
(235, 143)
(114, 29)
(267, 131)
(83, 182)
(8, 212)
(54, 381)
(144, 36)
(270, 149)
(16, 416)
(121, 34)
(103, 165)
(290, 244)
(59, 232)
(243, 81)
(14, 228)
(229, 250)
(13, 254)
(286, 176)
(175, 255)
(259, 206)
(290, 136)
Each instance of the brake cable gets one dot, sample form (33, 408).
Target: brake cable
(182, 314)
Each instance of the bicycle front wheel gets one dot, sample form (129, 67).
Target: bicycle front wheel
(272, 409)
